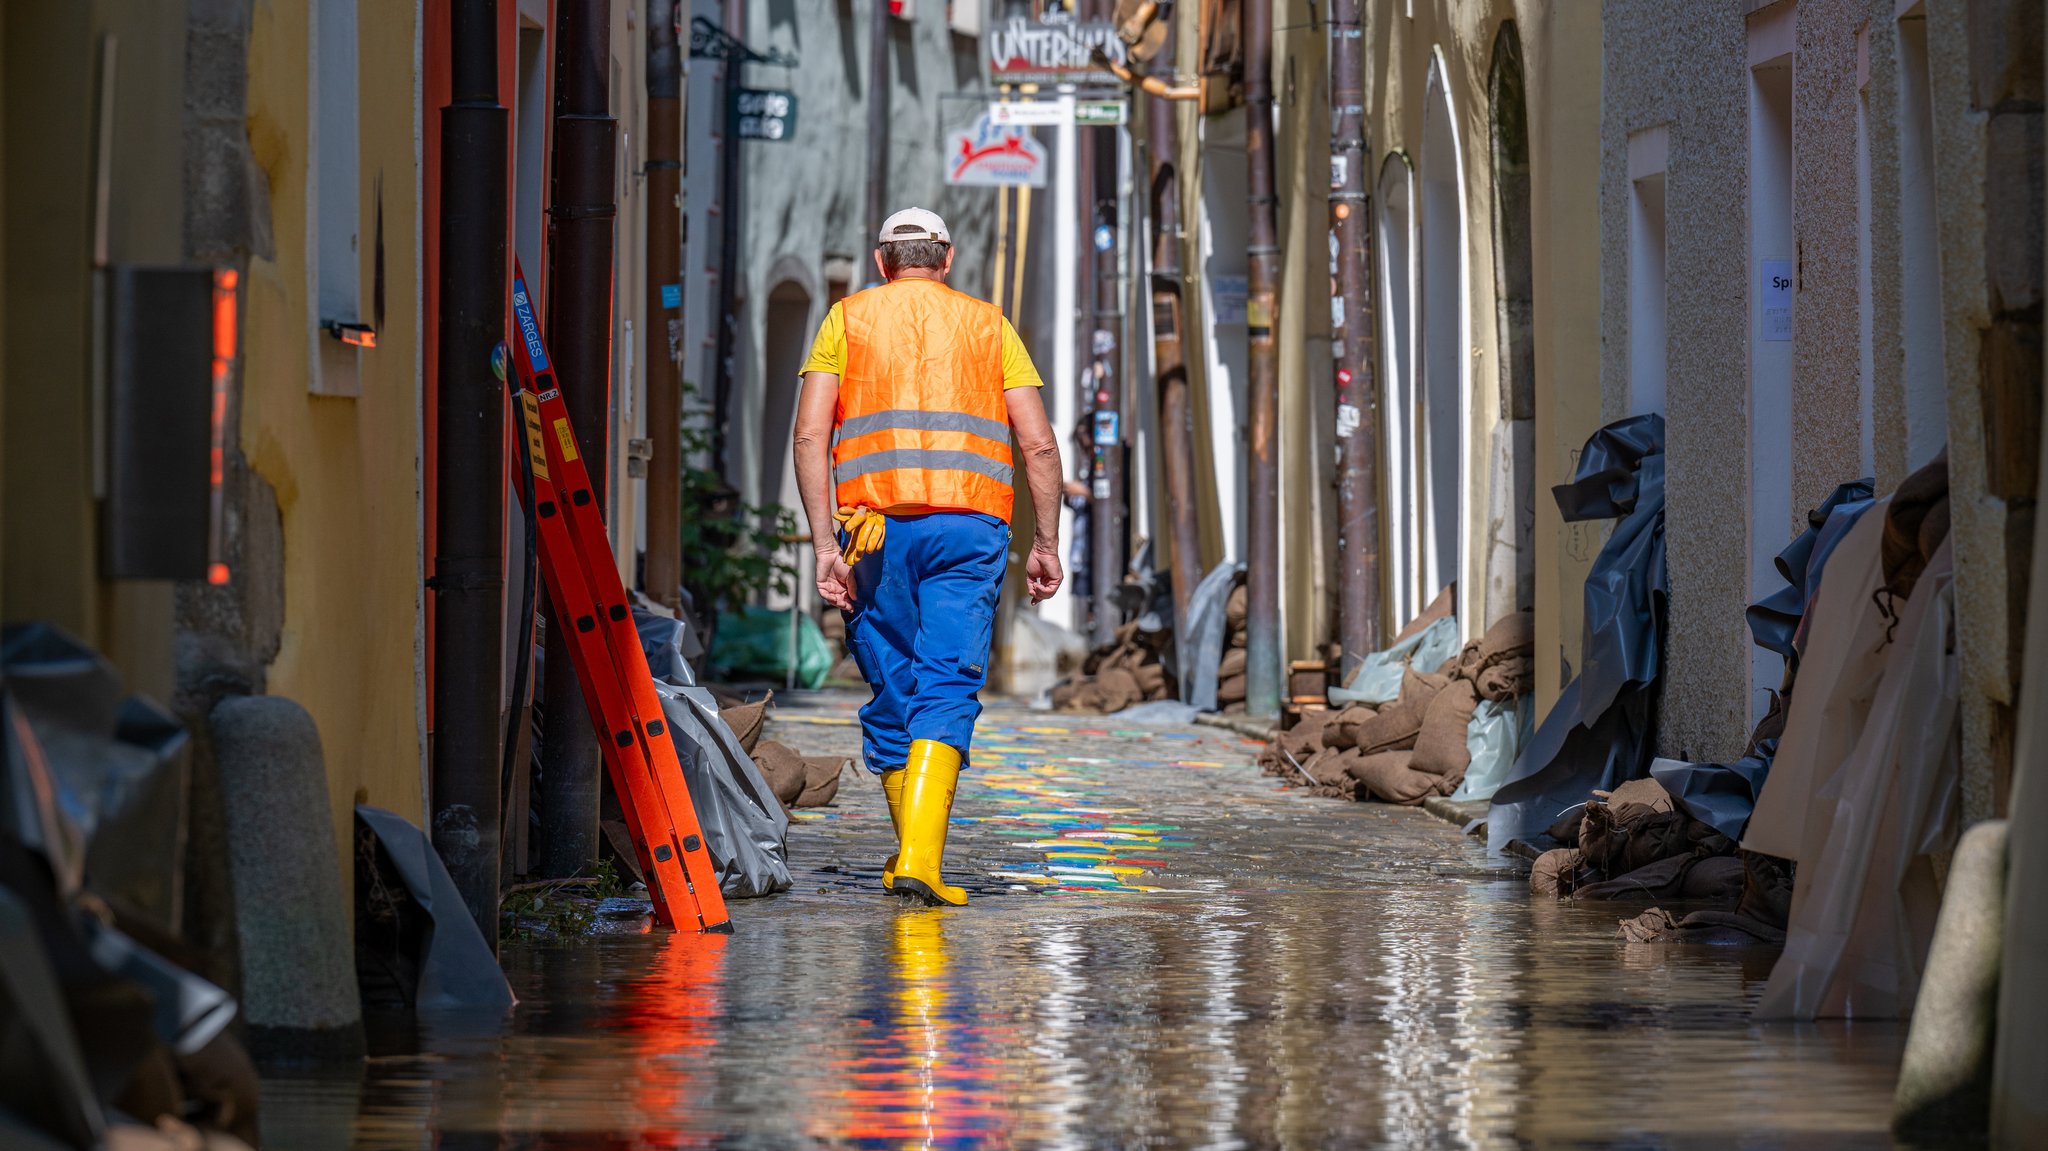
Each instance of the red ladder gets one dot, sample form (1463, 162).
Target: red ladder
(618, 688)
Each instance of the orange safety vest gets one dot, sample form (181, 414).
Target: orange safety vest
(922, 425)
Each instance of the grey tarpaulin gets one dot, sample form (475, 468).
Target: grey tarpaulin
(457, 970)
(1202, 653)
(745, 828)
(1599, 733)
(139, 999)
(42, 1072)
(119, 757)
(1775, 620)
(1722, 795)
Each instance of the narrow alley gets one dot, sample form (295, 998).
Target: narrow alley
(1165, 949)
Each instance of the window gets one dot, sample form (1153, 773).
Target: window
(1445, 343)
(1866, 318)
(1647, 343)
(1919, 250)
(1397, 400)
(1773, 263)
(333, 203)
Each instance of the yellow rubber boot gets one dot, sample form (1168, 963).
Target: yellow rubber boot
(929, 779)
(892, 791)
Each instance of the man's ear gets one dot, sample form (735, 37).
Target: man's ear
(948, 269)
(879, 269)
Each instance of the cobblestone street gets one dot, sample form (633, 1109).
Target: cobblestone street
(1164, 948)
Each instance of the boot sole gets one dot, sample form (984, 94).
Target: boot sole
(920, 890)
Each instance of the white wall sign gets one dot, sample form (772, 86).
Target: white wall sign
(1031, 113)
(1774, 289)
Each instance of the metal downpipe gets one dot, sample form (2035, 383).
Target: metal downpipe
(1358, 402)
(1262, 314)
(469, 467)
(579, 308)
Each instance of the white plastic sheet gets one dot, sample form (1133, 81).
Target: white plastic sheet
(1495, 736)
(1378, 678)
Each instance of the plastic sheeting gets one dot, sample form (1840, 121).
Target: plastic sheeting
(456, 967)
(1207, 630)
(1378, 678)
(1599, 733)
(1864, 909)
(1775, 621)
(1498, 730)
(54, 955)
(745, 828)
(120, 759)
(1722, 795)
(755, 642)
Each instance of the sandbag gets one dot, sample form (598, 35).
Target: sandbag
(1233, 663)
(1440, 747)
(1340, 730)
(1231, 690)
(821, 779)
(783, 768)
(1388, 778)
(746, 721)
(1395, 725)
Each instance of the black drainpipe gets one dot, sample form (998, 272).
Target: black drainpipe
(579, 309)
(469, 467)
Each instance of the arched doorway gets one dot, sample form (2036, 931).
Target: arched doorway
(1444, 340)
(1511, 513)
(1398, 407)
(786, 340)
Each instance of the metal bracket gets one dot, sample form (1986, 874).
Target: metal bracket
(710, 42)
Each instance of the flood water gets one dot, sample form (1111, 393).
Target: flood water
(1164, 949)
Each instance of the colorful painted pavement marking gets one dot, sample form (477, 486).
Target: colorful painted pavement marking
(1056, 807)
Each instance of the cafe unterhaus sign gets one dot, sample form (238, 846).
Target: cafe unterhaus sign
(1052, 49)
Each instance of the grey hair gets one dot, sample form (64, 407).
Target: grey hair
(920, 253)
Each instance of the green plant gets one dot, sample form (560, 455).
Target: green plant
(733, 552)
(543, 911)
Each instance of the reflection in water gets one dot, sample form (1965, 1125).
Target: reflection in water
(920, 1075)
(1444, 1015)
(1300, 974)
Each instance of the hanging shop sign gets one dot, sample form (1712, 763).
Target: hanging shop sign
(990, 155)
(1099, 113)
(1050, 49)
(765, 114)
(1030, 113)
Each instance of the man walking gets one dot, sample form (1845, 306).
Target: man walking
(910, 397)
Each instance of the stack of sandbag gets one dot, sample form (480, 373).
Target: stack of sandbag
(1636, 843)
(796, 779)
(1230, 678)
(1413, 746)
(1130, 671)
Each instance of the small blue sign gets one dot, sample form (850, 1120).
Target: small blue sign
(1106, 429)
(522, 312)
(1105, 237)
(671, 295)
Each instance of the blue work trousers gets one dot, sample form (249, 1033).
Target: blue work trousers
(924, 613)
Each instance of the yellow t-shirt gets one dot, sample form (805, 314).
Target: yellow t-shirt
(828, 353)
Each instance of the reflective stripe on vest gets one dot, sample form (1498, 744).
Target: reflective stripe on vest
(922, 423)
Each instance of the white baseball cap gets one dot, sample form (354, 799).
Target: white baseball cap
(914, 224)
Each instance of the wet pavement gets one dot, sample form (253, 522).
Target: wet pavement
(1164, 949)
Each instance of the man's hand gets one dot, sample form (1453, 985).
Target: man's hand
(835, 580)
(1042, 573)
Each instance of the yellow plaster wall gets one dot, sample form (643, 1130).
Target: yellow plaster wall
(346, 470)
(1561, 69)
